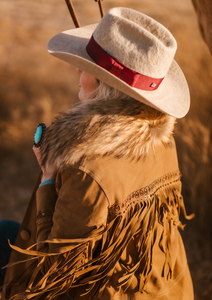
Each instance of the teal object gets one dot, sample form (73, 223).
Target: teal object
(38, 134)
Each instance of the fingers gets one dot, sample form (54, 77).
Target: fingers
(37, 152)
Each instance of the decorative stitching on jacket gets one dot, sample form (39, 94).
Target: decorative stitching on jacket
(44, 217)
(145, 192)
(75, 259)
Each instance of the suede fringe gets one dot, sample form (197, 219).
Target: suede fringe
(74, 266)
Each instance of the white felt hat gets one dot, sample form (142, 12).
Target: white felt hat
(132, 43)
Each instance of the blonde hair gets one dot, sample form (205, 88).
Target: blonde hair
(106, 92)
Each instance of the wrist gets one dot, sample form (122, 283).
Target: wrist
(46, 182)
(47, 177)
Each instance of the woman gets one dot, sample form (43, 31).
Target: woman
(108, 202)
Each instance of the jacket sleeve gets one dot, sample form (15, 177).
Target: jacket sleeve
(46, 198)
(80, 207)
(70, 224)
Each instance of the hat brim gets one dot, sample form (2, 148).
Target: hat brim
(171, 97)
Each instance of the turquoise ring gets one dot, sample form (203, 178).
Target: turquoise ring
(39, 135)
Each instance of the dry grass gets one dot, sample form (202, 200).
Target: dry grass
(35, 86)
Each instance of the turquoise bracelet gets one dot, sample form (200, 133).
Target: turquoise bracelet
(48, 181)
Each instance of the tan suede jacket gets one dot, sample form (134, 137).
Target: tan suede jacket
(107, 229)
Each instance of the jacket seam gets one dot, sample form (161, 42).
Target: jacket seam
(91, 174)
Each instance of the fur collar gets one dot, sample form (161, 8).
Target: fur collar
(99, 128)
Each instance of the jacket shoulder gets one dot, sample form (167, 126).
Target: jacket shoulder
(120, 176)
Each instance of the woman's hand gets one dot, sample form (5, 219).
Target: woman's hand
(45, 176)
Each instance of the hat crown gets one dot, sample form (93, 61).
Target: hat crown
(123, 43)
(136, 40)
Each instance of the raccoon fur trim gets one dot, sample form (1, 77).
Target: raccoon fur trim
(113, 128)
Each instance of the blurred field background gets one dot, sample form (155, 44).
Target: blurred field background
(34, 86)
